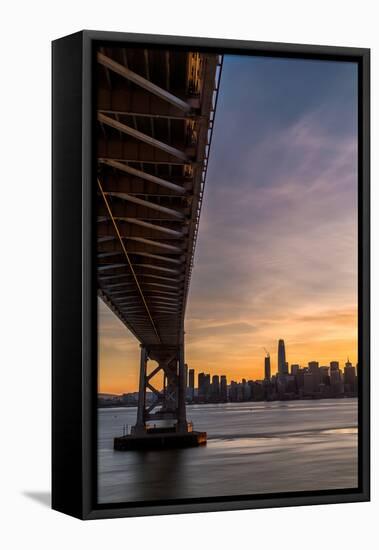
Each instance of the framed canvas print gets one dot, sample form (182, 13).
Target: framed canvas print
(210, 274)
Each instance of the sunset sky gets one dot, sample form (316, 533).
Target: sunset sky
(276, 255)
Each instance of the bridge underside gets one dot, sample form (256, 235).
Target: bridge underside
(155, 116)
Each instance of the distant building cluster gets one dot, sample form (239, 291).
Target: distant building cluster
(124, 400)
(290, 382)
(209, 390)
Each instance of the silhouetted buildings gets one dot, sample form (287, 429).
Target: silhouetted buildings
(336, 379)
(215, 388)
(282, 364)
(204, 386)
(209, 390)
(267, 368)
(201, 386)
(312, 379)
(295, 369)
(191, 378)
(313, 367)
(191, 385)
(223, 389)
(325, 375)
(350, 379)
(311, 382)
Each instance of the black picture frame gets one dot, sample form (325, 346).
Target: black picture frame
(74, 332)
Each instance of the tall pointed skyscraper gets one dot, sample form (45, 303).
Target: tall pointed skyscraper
(267, 368)
(282, 365)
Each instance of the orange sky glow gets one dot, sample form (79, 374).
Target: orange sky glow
(224, 351)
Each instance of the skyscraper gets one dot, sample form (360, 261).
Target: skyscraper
(200, 385)
(334, 365)
(325, 375)
(349, 377)
(223, 388)
(191, 384)
(191, 378)
(282, 365)
(314, 378)
(336, 381)
(215, 387)
(207, 386)
(313, 367)
(295, 369)
(267, 368)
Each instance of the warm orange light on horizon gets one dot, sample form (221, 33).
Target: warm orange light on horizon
(119, 350)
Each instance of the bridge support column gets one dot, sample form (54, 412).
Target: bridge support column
(182, 425)
(170, 391)
(169, 406)
(140, 427)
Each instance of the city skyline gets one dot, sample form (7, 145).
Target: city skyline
(277, 247)
(290, 382)
(268, 361)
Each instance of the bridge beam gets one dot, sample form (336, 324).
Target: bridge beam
(148, 204)
(136, 134)
(144, 175)
(142, 82)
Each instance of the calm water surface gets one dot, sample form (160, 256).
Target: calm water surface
(252, 448)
